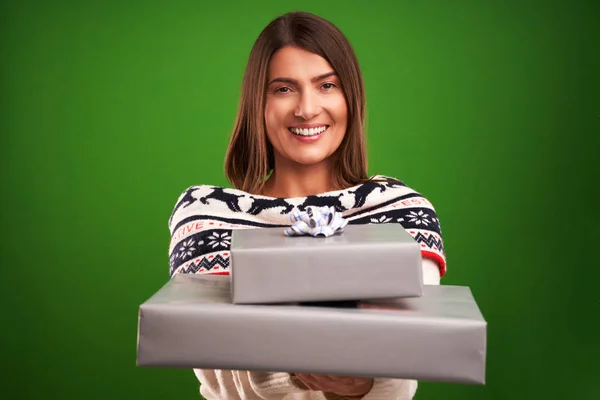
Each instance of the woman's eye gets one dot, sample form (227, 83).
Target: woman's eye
(328, 86)
(282, 90)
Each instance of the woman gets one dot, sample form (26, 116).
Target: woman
(298, 141)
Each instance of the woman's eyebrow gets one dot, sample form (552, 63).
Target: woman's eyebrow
(295, 82)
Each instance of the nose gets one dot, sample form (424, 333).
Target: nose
(308, 105)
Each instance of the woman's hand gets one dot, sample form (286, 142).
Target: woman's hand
(340, 385)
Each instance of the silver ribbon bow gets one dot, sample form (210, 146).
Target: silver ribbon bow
(316, 221)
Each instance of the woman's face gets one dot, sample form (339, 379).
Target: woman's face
(305, 112)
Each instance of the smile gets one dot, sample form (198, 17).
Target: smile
(308, 131)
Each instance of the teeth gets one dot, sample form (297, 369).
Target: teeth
(308, 132)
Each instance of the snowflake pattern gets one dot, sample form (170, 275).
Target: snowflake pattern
(381, 220)
(419, 217)
(187, 248)
(219, 239)
(212, 236)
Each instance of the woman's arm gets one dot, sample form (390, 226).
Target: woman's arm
(380, 388)
(246, 385)
(431, 272)
(404, 389)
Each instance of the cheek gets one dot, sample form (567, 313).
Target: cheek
(270, 120)
(340, 112)
(273, 114)
(268, 113)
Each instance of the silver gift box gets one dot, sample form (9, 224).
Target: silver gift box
(364, 262)
(191, 323)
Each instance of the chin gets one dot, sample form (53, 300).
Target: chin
(309, 160)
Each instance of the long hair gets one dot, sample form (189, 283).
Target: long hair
(249, 158)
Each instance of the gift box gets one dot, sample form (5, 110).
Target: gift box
(191, 323)
(364, 262)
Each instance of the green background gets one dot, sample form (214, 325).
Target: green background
(109, 110)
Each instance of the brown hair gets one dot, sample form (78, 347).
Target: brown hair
(249, 157)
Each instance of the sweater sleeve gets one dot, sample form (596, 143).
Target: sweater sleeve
(404, 389)
(392, 389)
(246, 385)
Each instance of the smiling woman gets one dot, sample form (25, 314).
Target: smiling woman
(305, 116)
(312, 80)
(298, 141)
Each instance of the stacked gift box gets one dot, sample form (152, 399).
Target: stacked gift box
(350, 303)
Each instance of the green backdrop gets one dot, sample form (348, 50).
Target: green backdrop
(110, 109)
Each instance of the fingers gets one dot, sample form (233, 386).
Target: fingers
(312, 382)
(342, 385)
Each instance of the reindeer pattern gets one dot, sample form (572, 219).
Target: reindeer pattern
(201, 246)
(241, 202)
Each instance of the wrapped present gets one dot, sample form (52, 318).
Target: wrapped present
(191, 323)
(348, 262)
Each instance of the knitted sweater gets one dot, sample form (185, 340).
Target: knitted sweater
(201, 225)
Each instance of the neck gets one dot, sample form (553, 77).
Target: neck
(288, 181)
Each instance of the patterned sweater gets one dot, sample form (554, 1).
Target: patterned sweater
(201, 226)
(204, 216)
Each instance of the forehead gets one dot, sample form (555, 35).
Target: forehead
(296, 63)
